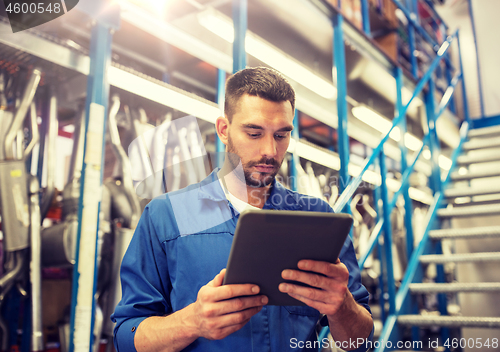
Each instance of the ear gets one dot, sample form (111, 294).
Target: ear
(221, 127)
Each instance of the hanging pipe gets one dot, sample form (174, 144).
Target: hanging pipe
(28, 95)
(35, 136)
(36, 268)
(124, 161)
(51, 157)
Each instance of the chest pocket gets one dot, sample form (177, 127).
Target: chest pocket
(302, 310)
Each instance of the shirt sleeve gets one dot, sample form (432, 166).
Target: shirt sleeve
(145, 292)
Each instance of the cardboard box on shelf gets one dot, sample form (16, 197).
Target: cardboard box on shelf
(351, 9)
(389, 12)
(375, 3)
(389, 44)
(333, 2)
(347, 8)
(357, 17)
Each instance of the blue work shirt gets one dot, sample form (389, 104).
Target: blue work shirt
(182, 242)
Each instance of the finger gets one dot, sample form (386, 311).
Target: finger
(313, 294)
(218, 279)
(328, 269)
(231, 291)
(311, 279)
(240, 304)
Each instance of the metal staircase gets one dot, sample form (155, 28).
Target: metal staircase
(481, 141)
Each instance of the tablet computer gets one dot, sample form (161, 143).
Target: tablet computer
(268, 241)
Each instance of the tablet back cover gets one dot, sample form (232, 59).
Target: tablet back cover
(266, 242)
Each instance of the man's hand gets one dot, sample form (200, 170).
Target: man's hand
(330, 295)
(329, 289)
(221, 310)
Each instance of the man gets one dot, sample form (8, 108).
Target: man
(172, 274)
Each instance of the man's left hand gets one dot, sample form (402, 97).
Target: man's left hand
(329, 285)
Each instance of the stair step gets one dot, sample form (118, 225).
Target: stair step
(449, 321)
(455, 176)
(471, 232)
(459, 258)
(482, 132)
(455, 287)
(468, 211)
(470, 191)
(477, 159)
(481, 144)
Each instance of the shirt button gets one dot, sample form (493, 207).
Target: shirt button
(133, 328)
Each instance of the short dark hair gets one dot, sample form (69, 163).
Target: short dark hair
(262, 82)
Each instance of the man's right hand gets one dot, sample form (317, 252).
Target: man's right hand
(221, 310)
(218, 312)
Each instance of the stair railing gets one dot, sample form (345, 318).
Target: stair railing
(397, 300)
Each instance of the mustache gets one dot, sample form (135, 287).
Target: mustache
(264, 161)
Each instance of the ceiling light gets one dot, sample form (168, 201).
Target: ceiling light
(265, 52)
(163, 94)
(157, 7)
(383, 125)
(309, 152)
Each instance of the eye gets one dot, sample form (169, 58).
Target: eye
(253, 135)
(280, 136)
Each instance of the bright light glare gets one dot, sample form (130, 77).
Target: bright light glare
(318, 156)
(158, 7)
(266, 53)
(162, 94)
(462, 171)
(383, 125)
(427, 154)
(69, 128)
(444, 162)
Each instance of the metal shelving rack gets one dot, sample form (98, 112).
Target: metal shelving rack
(95, 64)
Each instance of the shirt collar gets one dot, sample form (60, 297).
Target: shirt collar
(279, 199)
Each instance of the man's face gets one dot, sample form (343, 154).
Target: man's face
(259, 135)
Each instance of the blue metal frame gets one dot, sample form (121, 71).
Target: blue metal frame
(486, 121)
(97, 92)
(391, 285)
(435, 180)
(365, 15)
(413, 58)
(353, 185)
(240, 19)
(404, 163)
(343, 138)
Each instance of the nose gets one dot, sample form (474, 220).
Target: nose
(268, 147)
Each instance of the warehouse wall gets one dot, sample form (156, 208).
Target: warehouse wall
(456, 15)
(487, 26)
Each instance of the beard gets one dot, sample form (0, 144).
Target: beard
(253, 179)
